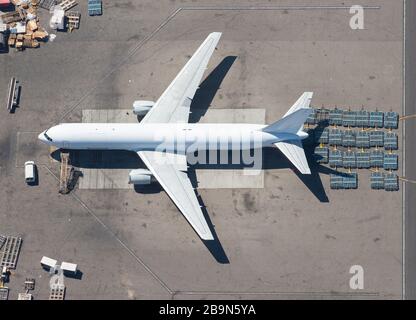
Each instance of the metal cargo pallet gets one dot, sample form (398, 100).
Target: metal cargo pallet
(376, 139)
(391, 120)
(362, 139)
(344, 181)
(377, 159)
(349, 160)
(95, 7)
(322, 116)
(311, 120)
(376, 119)
(391, 182)
(335, 117)
(363, 160)
(377, 180)
(335, 137)
(391, 161)
(363, 118)
(391, 141)
(336, 181)
(10, 252)
(350, 180)
(321, 154)
(335, 158)
(348, 139)
(321, 135)
(349, 118)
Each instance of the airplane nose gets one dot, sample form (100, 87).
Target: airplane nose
(41, 137)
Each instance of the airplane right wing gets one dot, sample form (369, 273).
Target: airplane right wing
(177, 185)
(293, 150)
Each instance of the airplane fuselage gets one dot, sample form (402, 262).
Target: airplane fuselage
(163, 136)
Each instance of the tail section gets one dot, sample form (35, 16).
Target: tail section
(292, 122)
(294, 119)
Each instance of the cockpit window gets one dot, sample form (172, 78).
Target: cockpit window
(47, 137)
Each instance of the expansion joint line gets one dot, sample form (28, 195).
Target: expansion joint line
(137, 258)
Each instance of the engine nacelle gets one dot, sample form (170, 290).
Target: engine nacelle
(142, 107)
(140, 176)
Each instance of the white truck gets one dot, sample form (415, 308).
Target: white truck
(30, 172)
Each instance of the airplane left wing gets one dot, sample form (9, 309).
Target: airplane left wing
(174, 104)
(179, 188)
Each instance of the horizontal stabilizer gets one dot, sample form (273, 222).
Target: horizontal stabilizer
(294, 119)
(293, 150)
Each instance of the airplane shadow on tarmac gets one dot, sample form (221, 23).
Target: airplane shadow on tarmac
(272, 158)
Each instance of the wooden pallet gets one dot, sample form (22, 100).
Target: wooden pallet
(68, 4)
(30, 284)
(10, 17)
(10, 252)
(24, 296)
(73, 18)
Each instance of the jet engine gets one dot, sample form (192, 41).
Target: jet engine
(142, 107)
(140, 176)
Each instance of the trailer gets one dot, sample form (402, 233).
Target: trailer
(13, 94)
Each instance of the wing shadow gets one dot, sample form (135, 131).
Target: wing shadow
(208, 89)
(214, 246)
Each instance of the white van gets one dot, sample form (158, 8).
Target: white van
(30, 172)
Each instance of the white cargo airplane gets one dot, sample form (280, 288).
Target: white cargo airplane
(168, 117)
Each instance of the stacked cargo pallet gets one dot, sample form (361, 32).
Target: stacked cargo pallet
(356, 140)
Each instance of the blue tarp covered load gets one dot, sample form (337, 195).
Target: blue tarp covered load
(348, 138)
(321, 154)
(376, 139)
(391, 161)
(321, 135)
(344, 181)
(95, 7)
(311, 120)
(377, 180)
(376, 119)
(349, 118)
(377, 159)
(335, 158)
(335, 117)
(322, 116)
(363, 118)
(363, 160)
(391, 182)
(335, 137)
(349, 160)
(363, 139)
(391, 120)
(391, 141)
